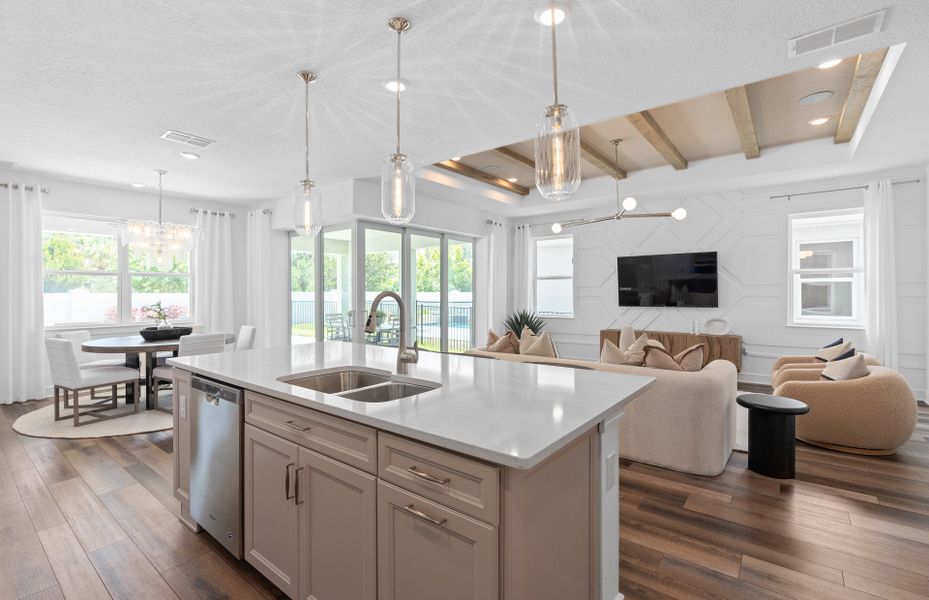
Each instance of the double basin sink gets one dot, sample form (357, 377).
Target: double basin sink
(360, 384)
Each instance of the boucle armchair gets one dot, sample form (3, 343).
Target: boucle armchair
(875, 414)
(806, 362)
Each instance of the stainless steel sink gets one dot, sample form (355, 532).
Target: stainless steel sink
(386, 392)
(341, 380)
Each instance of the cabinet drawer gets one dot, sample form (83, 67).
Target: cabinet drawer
(348, 442)
(466, 485)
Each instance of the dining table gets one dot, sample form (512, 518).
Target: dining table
(134, 346)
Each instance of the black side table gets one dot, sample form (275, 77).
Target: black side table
(771, 433)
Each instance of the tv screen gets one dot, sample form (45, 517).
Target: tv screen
(668, 280)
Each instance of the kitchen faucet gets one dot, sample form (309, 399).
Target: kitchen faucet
(405, 356)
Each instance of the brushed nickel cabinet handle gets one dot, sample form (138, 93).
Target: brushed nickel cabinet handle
(297, 499)
(287, 495)
(293, 425)
(427, 476)
(411, 508)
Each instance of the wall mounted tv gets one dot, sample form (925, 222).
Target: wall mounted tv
(668, 280)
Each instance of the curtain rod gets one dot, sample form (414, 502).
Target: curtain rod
(215, 212)
(843, 189)
(16, 186)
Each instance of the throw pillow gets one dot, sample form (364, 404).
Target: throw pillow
(614, 355)
(508, 344)
(844, 355)
(659, 358)
(654, 344)
(526, 338)
(845, 369)
(835, 343)
(491, 339)
(830, 352)
(690, 359)
(541, 346)
(626, 338)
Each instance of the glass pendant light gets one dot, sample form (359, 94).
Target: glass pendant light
(159, 241)
(398, 195)
(307, 199)
(557, 144)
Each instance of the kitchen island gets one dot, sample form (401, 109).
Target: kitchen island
(491, 480)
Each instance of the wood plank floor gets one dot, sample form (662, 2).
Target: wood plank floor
(96, 519)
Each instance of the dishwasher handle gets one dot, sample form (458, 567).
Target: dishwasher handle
(215, 392)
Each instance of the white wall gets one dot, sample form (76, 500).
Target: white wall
(749, 231)
(81, 198)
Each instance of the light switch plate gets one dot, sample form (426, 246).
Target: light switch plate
(611, 470)
(182, 407)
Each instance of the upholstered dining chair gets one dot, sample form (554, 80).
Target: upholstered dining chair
(89, 360)
(246, 337)
(189, 345)
(70, 378)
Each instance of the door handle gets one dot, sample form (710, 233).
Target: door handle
(411, 508)
(297, 499)
(427, 476)
(287, 495)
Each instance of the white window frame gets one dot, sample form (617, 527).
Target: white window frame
(536, 278)
(854, 274)
(123, 281)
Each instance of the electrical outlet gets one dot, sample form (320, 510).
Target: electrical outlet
(182, 407)
(611, 470)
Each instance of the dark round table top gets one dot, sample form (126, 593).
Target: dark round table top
(773, 404)
(135, 343)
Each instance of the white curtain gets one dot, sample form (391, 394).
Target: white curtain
(521, 277)
(880, 273)
(497, 260)
(212, 275)
(23, 367)
(258, 276)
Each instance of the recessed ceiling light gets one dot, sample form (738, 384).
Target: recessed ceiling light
(819, 121)
(391, 85)
(190, 155)
(512, 179)
(816, 97)
(456, 158)
(136, 184)
(543, 16)
(829, 63)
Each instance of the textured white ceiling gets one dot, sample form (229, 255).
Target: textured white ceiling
(87, 87)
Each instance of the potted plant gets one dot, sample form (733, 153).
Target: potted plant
(160, 315)
(524, 318)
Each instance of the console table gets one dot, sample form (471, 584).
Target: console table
(725, 347)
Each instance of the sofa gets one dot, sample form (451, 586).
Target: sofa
(874, 414)
(685, 421)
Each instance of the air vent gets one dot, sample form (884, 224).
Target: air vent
(837, 34)
(186, 138)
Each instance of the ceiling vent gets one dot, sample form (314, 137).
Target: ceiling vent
(837, 34)
(186, 138)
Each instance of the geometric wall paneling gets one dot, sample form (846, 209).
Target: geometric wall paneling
(633, 232)
(701, 218)
(758, 260)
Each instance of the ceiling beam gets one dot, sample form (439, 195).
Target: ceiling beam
(742, 115)
(653, 134)
(462, 169)
(867, 67)
(599, 160)
(516, 156)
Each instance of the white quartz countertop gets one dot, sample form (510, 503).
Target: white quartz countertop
(511, 414)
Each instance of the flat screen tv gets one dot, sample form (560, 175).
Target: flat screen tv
(668, 280)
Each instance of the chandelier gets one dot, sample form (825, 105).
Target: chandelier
(159, 241)
(628, 204)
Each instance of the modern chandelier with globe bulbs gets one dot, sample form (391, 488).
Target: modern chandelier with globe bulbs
(160, 241)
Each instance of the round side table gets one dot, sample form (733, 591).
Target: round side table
(771, 433)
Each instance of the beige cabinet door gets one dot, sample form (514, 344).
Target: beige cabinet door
(271, 537)
(426, 551)
(338, 529)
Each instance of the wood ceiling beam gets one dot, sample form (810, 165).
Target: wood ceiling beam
(507, 152)
(742, 115)
(645, 124)
(462, 169)
(867, 68)
(601, 161)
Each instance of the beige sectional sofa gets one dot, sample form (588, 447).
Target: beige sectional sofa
(685, 422)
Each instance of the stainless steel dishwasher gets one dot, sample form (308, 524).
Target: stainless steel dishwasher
(216, 461)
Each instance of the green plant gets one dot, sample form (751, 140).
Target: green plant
(524, 318)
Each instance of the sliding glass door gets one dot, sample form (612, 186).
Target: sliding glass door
(302, 290)
(425, 262)
(382, 272)
(460, 269)
(337, 285)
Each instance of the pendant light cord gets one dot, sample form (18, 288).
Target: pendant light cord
(161, 174)
(554, 54)
(306, 122)
(399, 32)
(616, 172)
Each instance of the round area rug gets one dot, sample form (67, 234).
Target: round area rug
(42, 423)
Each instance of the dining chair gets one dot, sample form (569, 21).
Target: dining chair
(188, 345)
(70, 378)
(246, 337)
(336, 328)
(88, 360)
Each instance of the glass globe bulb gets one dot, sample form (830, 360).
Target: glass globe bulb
(557, 154)
(556, 227)
(679, 213)
(307, 209)
(398, 189)
(629, 203)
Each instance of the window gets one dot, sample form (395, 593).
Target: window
(302, 289)
(337, 284)
(554, 276)
(426, 271)
(827, 269)
(460, 297)
(382, 272)
(90, 278)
